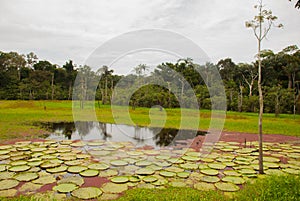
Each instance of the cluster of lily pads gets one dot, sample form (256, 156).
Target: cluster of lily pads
(26, 166)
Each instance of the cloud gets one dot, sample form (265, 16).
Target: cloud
(59, 30)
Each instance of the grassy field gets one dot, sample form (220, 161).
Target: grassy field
(19, 118)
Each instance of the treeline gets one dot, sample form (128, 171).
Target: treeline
(25, 77)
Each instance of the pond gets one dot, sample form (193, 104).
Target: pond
(139, 136)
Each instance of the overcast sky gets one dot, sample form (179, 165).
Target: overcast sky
(59, 30)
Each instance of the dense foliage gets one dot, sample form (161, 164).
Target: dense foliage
(25, 77)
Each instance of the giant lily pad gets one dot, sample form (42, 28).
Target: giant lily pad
(145, 171)
(87, 193)
(114, 188)
(210, 179)
(76, 169)
(49, 179)
(203, 186)
(98, 166)
(30, 187)
(57, 169)
(210, 172)
(120, 179)
(229, 187)
(167, 173)
(233, 179)
(217, 166)
(149, 179)
(19, 168)
(8, 193)
(89, 173)
(183, 174)
(65, 187)
(108, 173)
(8, 183)
(73, 179)
(189, 166)
(119, 162)
(27, 176)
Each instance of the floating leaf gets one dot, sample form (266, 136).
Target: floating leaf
(149, 179)
(189, 166)
(30, 187)
(167, 173)
(98, 166)
(49, 179)
(229, 187)
(210, 179)
(108, 173)
(183, 174)
(28, 176)
(114, 188)
(174, 169)
(217, 166)
(19, 168)
(6, 175)
(203, 186)
(65, 187)
(87, 193)
(73, 179)
(120, 179)
(89, 173)
(8, 193)
(247, 171)
(8, 183)
(57, 169)
(210, 172)
(143, 163)
(179, 184)
(231, 173)
(76, 169)
(233, 179)
(145, 171)
(73, 162)
(119, 162)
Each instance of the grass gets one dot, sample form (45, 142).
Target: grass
(17, 118)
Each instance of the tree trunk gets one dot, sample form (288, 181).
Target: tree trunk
(52, 87)
(261, 110)
(290, 81)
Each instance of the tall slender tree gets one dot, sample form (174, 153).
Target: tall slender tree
(261, 25)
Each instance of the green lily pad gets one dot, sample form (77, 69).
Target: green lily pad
(210, 172)
(48, 164)
(228, 187)
(271, 165)
(73, 162)
(65, 188)
(87, 193)
(8, 183)
(174, 169)
(217, 166)
(146, 186)
(119, 162)
(183, 174)
(78, 144)
(89, 173)
(19, 168)
(203, 186)
(190, 158)
(134, 179)
(233, 179)
(160, 182)
(6, 175)
(247, 171)
(178, 184)
(3, 167)
(274, 171)
(76, 169)
(120, 179)
(145, 171)
(30, 187)
(149, 179)
(210, 179)
(291, 171)
(73, 179)
(231, 173)
(8, 193)
(27, 176)
(57, 169)
(114, 188)
(108, 173)
(98, 166)
(49, 179)
(271, 159)
(189, 166)
(143, 163)
(4, 152)
(167, 173)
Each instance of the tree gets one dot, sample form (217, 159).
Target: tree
(297, 5)
(261, 25)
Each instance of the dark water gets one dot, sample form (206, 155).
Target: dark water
(139, 136)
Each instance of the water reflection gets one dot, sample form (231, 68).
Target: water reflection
(140, 136)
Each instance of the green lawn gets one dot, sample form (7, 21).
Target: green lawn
(18, 118)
